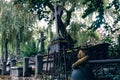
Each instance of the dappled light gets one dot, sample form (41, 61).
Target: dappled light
(59, 39)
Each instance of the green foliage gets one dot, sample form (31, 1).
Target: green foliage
(100, 6)
(16, 25)
(44, 7)
(107, 40)
(20, 19)
(116, 4)
(29, 48)
(20, 64)
(93, 5)
(114, 48)
(82, 35)
(113, 51)
(37, 6)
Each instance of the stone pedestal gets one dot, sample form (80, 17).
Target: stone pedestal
(38, 64)
(4, 68)
(0, 71)
(16, 71)
(26, 71)
(57, 55)
(57, 45)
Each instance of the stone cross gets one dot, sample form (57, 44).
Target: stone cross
(42, 41)
(57, 16)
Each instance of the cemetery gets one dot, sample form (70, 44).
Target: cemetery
(73, 50)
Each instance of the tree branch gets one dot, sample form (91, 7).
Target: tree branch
(47, 3)
(115, 30)
(50, 6)
(69, 13)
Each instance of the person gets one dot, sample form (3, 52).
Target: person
(80, 70)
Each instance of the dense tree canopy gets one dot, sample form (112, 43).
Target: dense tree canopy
(77, 18)
(69, 6)
(15, 27)
(81, 23)
(100, 6)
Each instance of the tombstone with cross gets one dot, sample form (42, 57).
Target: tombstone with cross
(57, 45)
(57, 16)
(59, 41)
(41, 42)
(61, 26)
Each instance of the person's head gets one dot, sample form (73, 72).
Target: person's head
(80, 54)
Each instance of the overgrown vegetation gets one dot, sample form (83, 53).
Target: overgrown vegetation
(81, 19)
(82, 23)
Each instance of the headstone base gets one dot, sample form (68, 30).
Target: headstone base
(16, 71)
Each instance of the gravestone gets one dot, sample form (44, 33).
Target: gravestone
(4, 68)
(16, 71)
(0, 71)
(58, 44)
(38, 64)
(13, 63)
(42, 42)
(26, 69)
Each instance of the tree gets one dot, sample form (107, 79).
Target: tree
(83, 37)
(44, 7)
(101, 6)
(41, 8)
(29, 49)
(16, 25)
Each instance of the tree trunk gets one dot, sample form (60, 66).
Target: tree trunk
(119, 39)
(5, 57)
(6, 50)
(17, 44)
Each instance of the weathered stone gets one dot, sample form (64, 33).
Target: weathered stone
(26, 72)
(16, 71)
(0, 71)
(38, 64)
(42, 42)
(13, 63)
(4, 68)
